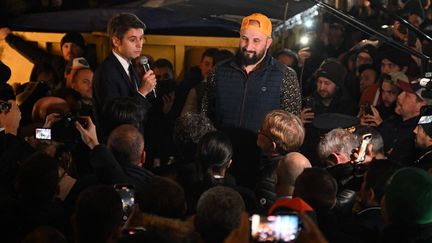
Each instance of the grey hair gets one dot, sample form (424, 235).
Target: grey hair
(337, 141)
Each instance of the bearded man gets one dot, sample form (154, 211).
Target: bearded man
(240, 91)
(330, 95)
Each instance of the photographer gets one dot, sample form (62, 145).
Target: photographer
(397, 131)
(70, 154)
(28, 183)
(384, 107)
(335, 150)
(16, 150)
(375, 148)
(330, 95)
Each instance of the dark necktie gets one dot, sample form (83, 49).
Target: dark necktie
(133, 76)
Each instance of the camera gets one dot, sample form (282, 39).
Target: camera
(64, 130)
(127, 195)
(5, 106)
(43, 133)
(275, 228)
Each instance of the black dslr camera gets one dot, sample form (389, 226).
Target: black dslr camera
(5, 106)
(64, 130)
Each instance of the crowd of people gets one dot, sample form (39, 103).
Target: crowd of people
(240, 134)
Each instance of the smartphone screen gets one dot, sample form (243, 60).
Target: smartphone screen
(280, 228)
(366, 139)
(43, 133)
(127, 195)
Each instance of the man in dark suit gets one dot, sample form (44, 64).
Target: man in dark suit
(116, 76)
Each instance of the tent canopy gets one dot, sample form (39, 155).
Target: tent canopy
(161, 16)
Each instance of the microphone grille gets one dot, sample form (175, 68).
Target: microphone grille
(143, 60)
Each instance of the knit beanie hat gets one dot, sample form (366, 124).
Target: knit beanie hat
(397, 57)
(333, 70)
(73, 37)
(408, 197)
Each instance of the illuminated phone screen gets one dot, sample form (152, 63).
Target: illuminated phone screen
(127, 195)
(282, 228)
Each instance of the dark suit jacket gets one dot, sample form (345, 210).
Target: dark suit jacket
(111, 80)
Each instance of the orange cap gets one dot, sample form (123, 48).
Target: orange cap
(295, 204)
(264, 23)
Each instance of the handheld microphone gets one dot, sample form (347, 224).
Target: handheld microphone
(146, 66)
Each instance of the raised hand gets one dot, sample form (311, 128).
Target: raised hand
(88, 134)
(307, 115)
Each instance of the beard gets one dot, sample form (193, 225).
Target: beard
(246, 60)
(325, 94)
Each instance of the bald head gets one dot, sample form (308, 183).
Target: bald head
(289, 168)
(47, 105)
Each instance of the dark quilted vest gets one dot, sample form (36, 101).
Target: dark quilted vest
(243, 101)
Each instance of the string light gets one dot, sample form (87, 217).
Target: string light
(304, 18)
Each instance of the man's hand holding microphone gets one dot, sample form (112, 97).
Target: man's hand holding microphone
(148, 80)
